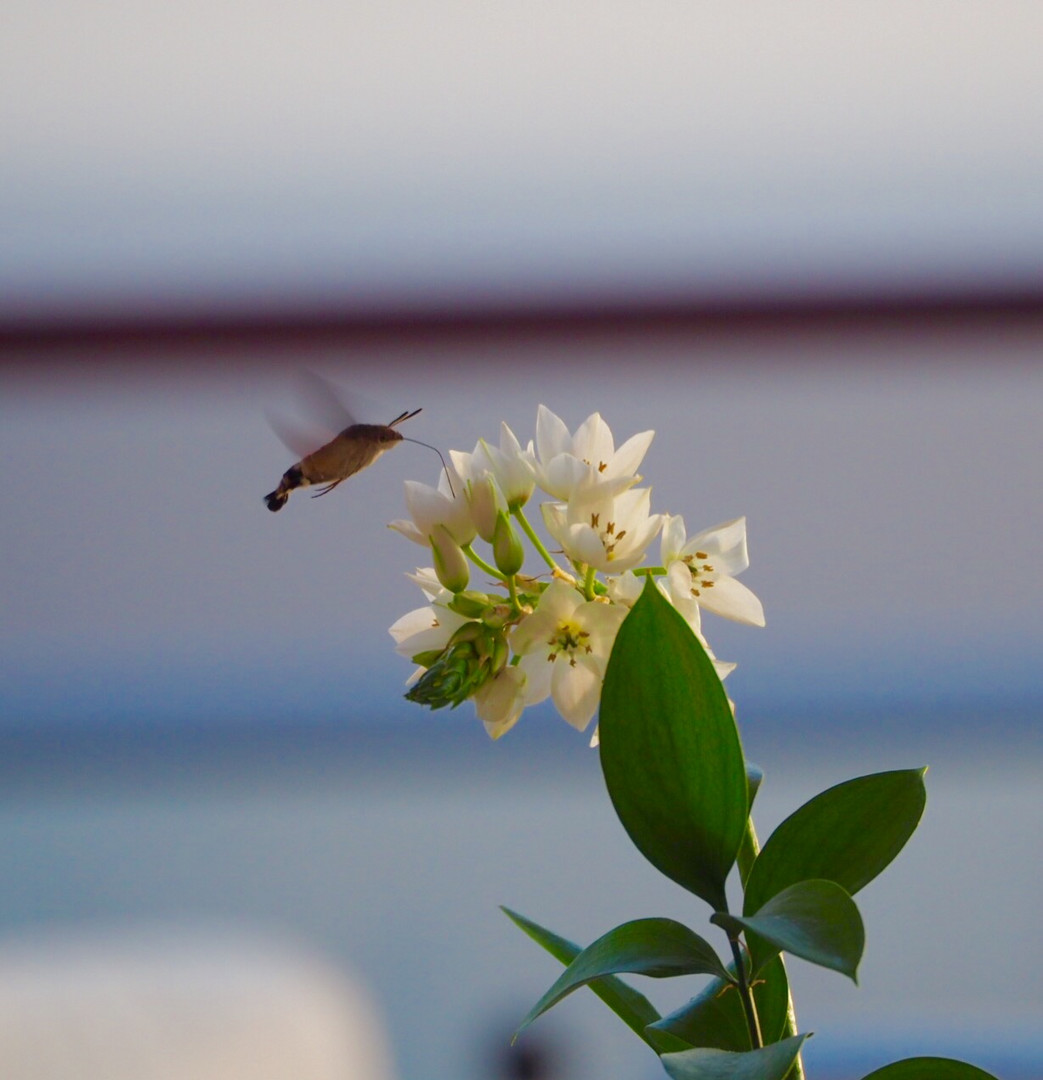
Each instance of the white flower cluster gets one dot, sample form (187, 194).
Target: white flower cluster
(534, 637)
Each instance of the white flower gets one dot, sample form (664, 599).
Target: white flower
(564, 646)
(485, 502)
(509, 465)
(501, 700)
(562, 461)
(610, 533)
(705, 566)
(425, 629)
(426, 578)
(429, 508)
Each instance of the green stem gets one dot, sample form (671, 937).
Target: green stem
(649, 571)
(588, 583)
(482, 564)
(537, 543)
(749, 1006)
(748, 851)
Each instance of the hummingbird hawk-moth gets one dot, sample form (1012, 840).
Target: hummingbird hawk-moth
(348, 452)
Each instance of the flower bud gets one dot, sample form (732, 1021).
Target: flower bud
(470, 604)
(475, 654)
(450, 562)
(507, 548)
(513, 473)
(485, 502)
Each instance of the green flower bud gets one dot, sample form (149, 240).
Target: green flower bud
(450, 562)
(507, 547)
(474, 655)
(470, 604)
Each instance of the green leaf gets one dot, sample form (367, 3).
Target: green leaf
(633, 1008)
(847, 834)
(816, 920)
(660, 948)
(715, 1018)
(929, 1068)
(670, 749)
(769, 1063)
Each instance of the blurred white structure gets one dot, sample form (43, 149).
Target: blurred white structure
(175, 1004)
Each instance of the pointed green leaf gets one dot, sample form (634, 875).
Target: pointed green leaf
(929, 1068)
(660, 948)
(633, 1008)
(847, 834)
(769, 1063)
(670, 749)
(715, 1018)
(816, 920)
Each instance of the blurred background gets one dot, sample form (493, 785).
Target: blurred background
(804, 245)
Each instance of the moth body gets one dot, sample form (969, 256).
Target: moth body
(344, 455)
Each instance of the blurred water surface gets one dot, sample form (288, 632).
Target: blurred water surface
(392, 863)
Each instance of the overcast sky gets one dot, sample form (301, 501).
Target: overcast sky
(207, 153)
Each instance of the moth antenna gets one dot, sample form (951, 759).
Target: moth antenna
(402, 417)
(406, 438)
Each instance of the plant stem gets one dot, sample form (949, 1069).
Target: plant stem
(747, 853)
(746, 994)
(482, 564)
(588, 583)
(537, 543)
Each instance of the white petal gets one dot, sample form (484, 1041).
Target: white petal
(732, 600)
(583, 545)
(679, 592)
(537, 670)
(412, 623)
(639, 535)
(509, 445)
(463, 464)
(576, 690)
(562, 474)
(552, 436)
(423, 629)
(674, 538)
(632, 505)
(725, 544)
(627, 459)
(515, 475)
(723, 669)
(427, 580)
(625, 589)
(409, 531)
(560, 600)
(602, 622)
(499, 702)
(554, 519)
(593, 442)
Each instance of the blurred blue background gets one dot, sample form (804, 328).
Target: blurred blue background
(804, 246)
